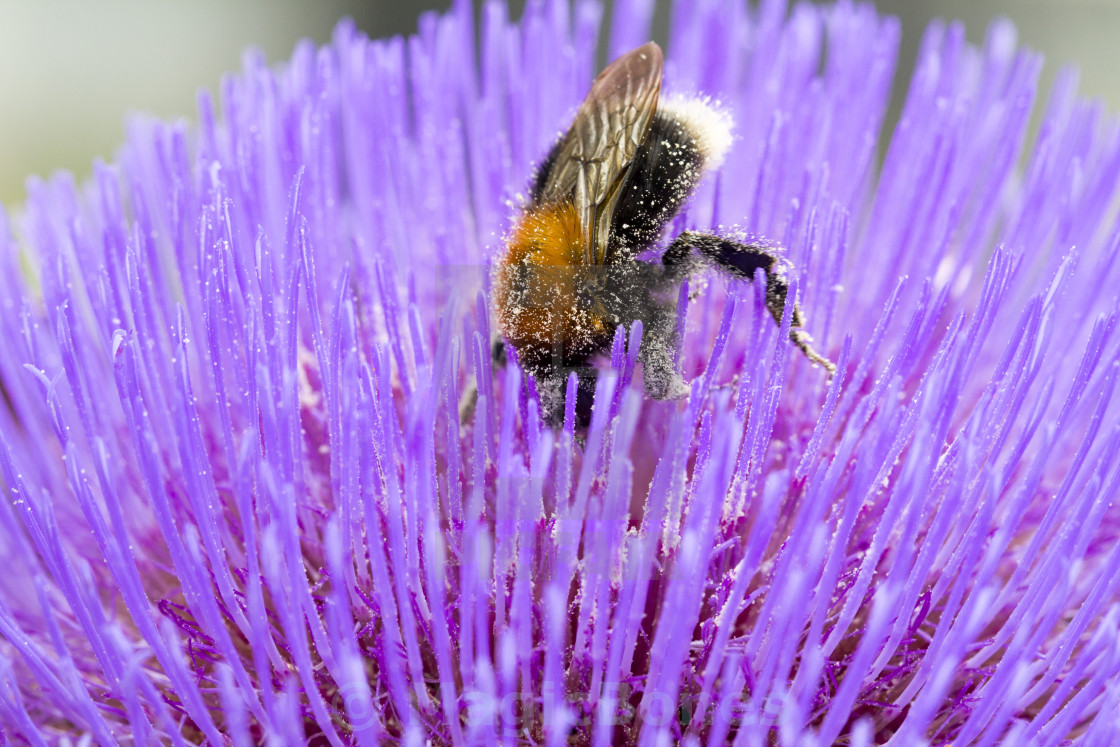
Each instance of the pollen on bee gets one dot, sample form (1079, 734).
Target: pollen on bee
(547, 235)
(707, 124)
(538, 284)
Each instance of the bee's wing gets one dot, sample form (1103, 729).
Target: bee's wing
(595, 156)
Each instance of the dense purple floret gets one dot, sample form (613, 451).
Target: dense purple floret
(242, 507)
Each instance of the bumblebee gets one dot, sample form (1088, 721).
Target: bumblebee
(570, 273)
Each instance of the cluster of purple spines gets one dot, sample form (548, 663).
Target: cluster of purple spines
(241, 507)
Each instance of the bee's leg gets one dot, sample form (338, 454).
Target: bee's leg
(743, 260)
(498, 352)
(638, 292)
(658, 353)
(469, 399)
(585, 397)
(467, 404)
(678, 260)
(777, 287)
(552, 387)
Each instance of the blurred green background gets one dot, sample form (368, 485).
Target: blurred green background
(71, 70)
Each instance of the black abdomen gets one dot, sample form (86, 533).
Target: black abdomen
(666, 168)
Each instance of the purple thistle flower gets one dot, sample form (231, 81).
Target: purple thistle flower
(243, 509)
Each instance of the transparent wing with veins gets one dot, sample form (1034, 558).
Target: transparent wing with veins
(596, 153)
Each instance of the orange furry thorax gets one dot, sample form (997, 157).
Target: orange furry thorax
(547, 235)
(544, 289)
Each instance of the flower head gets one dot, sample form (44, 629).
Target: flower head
(242, 506)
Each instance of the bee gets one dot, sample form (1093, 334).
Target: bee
(570, 273)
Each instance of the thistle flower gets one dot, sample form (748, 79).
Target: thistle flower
(242, 507)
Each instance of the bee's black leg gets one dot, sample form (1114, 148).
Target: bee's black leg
(660, 345)
(677, 258)
(777, 287)
(498, 352)
(638, 293)
(743, 261)
(469, 398)
(552, 387)
(585, 398)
